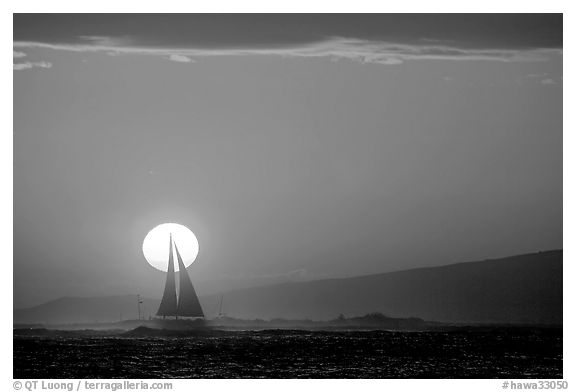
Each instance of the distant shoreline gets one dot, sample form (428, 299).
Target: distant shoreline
(373, 321)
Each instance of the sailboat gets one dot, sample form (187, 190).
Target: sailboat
(187, 303)
(220, 313)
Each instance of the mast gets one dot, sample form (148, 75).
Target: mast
(139, 303)
(188, 304)
(220, 314)
(168, 306)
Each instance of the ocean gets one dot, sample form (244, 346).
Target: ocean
(510, 353)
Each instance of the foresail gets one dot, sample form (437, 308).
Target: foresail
(168, 306)
(188, 303)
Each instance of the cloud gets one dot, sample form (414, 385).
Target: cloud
(30, 65)
(100, 40)
(363, 51)
(180, 58)
(299, 275)
(542, 78)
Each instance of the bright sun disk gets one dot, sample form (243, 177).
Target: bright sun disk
(156, 245)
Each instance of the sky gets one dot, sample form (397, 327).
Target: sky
(295, 147)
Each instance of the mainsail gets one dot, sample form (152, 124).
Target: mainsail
(168, 306)
(187, 304)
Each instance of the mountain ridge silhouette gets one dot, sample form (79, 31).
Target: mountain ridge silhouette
(523, 289)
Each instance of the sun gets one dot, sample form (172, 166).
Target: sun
(156, 245)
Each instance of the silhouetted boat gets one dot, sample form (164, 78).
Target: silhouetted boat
(220, 313)
(187, 303)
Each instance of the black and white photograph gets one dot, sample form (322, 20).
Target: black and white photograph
(287, 196)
